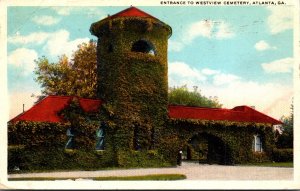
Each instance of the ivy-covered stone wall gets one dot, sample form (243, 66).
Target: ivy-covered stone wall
(34, 146)
(133, 84)
(235, 138)
(41, 146)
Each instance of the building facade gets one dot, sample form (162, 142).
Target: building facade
(131, 123)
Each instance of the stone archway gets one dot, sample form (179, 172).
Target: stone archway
(207, 148)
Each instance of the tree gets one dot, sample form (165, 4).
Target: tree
(77, 76)
(181, 96)
(285, 140)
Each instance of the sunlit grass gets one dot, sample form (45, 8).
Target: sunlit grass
(106, 178)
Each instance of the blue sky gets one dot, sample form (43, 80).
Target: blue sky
(242, 55)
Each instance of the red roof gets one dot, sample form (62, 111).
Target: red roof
(237, 114)
(47, 111)
(132, 12)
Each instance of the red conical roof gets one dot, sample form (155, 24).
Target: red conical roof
(132, 12)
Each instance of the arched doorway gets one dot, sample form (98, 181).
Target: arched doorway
(207, 148)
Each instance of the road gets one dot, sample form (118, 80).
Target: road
(193, 171)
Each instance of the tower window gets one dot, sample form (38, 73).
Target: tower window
(143, 46)
(110, 48)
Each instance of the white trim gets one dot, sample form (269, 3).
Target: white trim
(257, 144)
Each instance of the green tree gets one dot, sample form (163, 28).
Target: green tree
(285, 140)
(181, 96)
(77, 76)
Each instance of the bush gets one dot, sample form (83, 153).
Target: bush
(260, 157)
(40, 146)
(283, 155)
(132, 158)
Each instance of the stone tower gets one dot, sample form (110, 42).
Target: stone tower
(133, 75)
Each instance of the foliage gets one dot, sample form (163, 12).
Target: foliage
(133, 84)
(36, 134)
(233, 138)
(70, 77)
(142, 177)
(42, 150)
(286, 139)
(40, 145)
(260, 157)
(181, 96)
(283, 155)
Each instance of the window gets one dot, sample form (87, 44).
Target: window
(110, 48)
(70, 144)
(257, 144)
(136, 141)
(143, 46)
(100, 135)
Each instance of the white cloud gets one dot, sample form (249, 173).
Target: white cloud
(263, 45)
(279, 66)
(204, 28)
(92, 12)
(97, 13)
(45, 20)
(280, 19)
(221, 79)
(64, 11)
(59, 43)
(23, 60)
(36, 37)
(56, 43)
(181, 73)
(224, 31)
(175, 46)
(270, 98)
(182, 70)
(208, 71)
(209, 29)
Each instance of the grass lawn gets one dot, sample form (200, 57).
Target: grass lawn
(273, 164)
(144, 177)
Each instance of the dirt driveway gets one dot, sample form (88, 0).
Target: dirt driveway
(193, 171)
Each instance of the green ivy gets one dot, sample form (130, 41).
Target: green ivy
(134, 86)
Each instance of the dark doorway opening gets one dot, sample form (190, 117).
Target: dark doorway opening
(207, 148)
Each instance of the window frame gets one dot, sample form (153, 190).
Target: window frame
(257, 144)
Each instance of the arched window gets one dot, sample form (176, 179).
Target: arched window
(257, 143)
(100, 135)
(70, 143)
(143, 46)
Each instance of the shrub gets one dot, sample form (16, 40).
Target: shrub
(260, 157)
(283, 155)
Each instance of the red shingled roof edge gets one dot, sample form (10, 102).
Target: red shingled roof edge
(237, 114)
(47, 111)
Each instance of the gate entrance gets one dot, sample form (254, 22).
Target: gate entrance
(207, 148)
